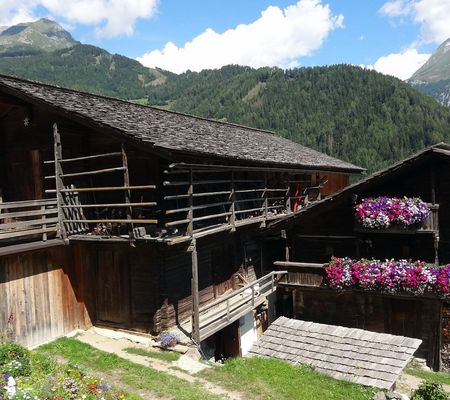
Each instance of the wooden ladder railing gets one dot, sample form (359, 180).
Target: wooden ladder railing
(71, 206)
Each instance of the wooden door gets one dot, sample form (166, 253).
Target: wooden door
(113, 304)
(24, 177)
(227, 342)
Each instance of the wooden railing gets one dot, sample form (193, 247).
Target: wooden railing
(227, 309)
(25, 219)
(78, 209)
(199, 199)
(301, 273)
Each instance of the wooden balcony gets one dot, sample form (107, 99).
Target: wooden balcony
(200, 199)
(22, 221)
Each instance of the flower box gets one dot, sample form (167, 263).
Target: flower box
(389, 276)
(396, 215)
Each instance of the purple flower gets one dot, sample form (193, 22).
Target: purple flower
(382, 212)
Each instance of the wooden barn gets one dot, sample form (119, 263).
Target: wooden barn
(329, 228)
(131, 217)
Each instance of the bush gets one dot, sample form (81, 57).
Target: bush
(14, 360)
(430, 391)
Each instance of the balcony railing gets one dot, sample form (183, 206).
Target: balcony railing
(229, 308)
(25, 220)
(201, 198)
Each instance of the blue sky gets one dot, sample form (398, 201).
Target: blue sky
(392, 36)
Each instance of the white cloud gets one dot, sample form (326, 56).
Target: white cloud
(109, 17)
(395, 8)
(401, 65)
(277, 38)
(432, 15)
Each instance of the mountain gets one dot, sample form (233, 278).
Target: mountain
(355, 114)
(433, 78)
(32, 37)
(45, 52)
(352, 113)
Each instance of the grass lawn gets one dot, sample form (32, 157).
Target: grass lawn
(254, 378)
(127, 372)
(264, 379)
(435, 377)
(160, 355)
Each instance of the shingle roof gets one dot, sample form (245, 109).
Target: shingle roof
(180, 132)
(356, 355)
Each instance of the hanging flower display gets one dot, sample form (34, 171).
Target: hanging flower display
(390, 276)
(382, 212)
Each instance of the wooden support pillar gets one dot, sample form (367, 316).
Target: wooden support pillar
(438, 365)
(286, 245)
(195, 295)
(266, 200)
(190, 226)
(433, 201)
(232, 199)
(127, 192)
(58, 182)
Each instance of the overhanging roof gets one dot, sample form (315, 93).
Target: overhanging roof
(178, 132)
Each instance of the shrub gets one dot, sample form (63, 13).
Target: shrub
(430, 391)
(14, 360)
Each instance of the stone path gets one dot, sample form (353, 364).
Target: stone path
(116, 343)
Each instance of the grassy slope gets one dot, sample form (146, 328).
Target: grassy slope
(256, 378)
(266, 379)
(132, 374)
(435, 377)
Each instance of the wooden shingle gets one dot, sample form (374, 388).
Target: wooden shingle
(356, 355)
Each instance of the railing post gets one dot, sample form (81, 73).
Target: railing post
(288, 198)
(58, 182)
(190, 227)
(195, 295)
(232, 198)
(266, 200)
(44, 225)
(127, 192)
(253, 295)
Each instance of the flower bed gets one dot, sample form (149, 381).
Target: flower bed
(390, 276)
(382, 212)
(26, 376)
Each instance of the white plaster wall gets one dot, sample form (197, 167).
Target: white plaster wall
(247, 325)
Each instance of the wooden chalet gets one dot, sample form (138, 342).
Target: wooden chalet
(117, 214)
(328, 228)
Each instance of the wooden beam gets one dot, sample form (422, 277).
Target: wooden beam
(195, 294)
(103, 205)
(95, 156)
(83, 173)
(299, 264)
(58, 182)
(104, 189)
(113, 221)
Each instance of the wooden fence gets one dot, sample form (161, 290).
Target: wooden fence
(25, 219)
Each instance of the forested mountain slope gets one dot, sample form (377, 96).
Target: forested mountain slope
(352, 113)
